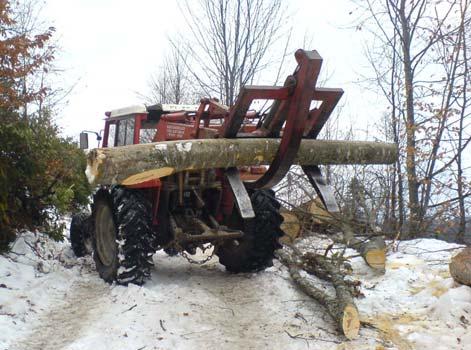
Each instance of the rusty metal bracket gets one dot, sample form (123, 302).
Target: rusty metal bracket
(323, 189)
(247, 94)
(241, 196)
(295, 111)
(290, 118)
(318, 116)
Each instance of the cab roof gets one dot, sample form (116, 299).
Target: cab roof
(140, 109)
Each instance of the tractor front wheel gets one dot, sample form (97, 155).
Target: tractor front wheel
(255, 250)
(123, 240)
(80, 234)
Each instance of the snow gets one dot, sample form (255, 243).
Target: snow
(51, 300)
(184, 146)
(418, 296)
(161, 147)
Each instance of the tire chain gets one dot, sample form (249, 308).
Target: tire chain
(199, 262)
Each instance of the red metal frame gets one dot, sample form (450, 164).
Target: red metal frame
(297, 112)
(138, 119)
(292, 110)
(106, 134)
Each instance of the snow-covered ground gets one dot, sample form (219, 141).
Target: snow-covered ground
(51, 300)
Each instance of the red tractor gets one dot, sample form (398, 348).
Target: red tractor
(232, 208)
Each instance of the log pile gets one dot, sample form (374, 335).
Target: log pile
(313, 216)
(328, 266)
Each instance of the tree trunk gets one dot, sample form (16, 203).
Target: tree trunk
(411, 170)
(461, 145)
(134, 164)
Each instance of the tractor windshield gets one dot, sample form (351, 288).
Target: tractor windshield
(125, 133)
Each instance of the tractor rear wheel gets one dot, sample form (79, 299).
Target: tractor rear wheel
(255, 250)
(123, 240)
(80, 234)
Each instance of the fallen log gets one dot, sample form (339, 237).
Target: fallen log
(341, 307)
(460, 267)
(371, 249)
(321, 267)
(129, 165)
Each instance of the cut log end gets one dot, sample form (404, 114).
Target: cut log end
(373, 252)
(147, 176)
(290, 226)
(350, 322)
(460, 267)
(91, 172)
(376, 259)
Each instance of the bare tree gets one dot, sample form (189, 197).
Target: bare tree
(416, 41)
(170, 84)
(463, 101)
(229, 42)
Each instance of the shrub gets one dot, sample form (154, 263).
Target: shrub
(41, 176)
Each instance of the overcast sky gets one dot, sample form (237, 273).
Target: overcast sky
(109, 48)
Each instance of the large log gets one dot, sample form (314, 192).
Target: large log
(135, 164)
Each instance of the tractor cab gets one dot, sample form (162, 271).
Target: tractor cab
(137, 124)
(166, 122)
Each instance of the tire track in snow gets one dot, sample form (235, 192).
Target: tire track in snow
(71, 312)
(232, 311)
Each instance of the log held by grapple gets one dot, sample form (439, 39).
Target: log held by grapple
(135, 164)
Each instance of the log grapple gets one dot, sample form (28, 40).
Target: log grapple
(178, 178)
